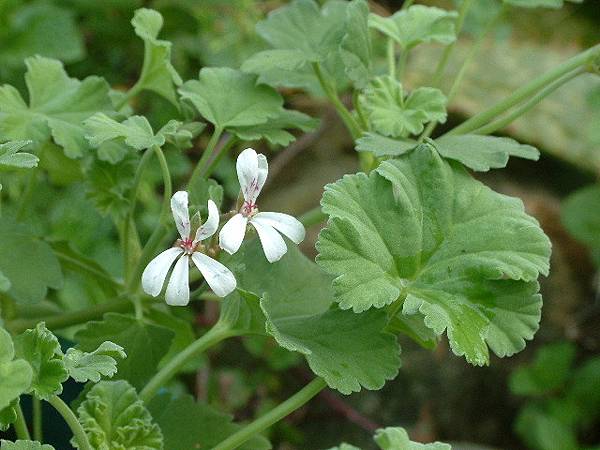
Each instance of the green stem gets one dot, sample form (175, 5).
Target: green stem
(391, 57)
(21, 425)
(443, 62)
(158, 233)
(71, 420)
(351, 124)
(37, 419)
(231, 141)
(68, 319)
(201, 167)
(403, 63)
(129, 218)
(527, 106)
(275, 415)
(212, 337)
(313, 217)
(526, 91)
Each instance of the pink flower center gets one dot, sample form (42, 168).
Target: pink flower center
(249, 209)
(187, 245)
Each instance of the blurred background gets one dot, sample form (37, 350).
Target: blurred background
(545, 398)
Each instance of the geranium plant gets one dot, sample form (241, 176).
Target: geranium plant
(413, 244)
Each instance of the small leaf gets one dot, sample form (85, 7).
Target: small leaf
(8, 415)
(40, 348)
(24, 445)
(393, 114)
(468, 266)
(541, 431)
(228, 98)
(135, 131)
(158, 74)
(84, 366)
(34, 271)
(396, 438)
(57, 106)
(113, 417)
(274, 130)
(482, 153)
(356, 51)
(12, 157)
(181, 134)
(417, 24)
(179, 419)
(16, 374)
(145, 344)
(384, 146)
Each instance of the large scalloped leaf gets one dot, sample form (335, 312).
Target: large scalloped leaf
(57, 106)
(422, 231)
(348, 350)
(41, 349)
(113, 417)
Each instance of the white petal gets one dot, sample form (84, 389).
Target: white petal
(272, 243)
(208, 228)
(179, 207)
(219, 278)
(178, 289)
(232, 234)
(252, 170)
(156, 271)
(284, 223)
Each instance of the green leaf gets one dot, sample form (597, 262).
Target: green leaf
(463, 256)
(356, 50)
(382, 146)
(8, 415)
(34, 271)
(84, 366)
(580, 213)
(392, 114)
(24, 445)
(135, 131)
(188, 424)
(16, 374)
(158, 74)
(241, 311)
(554, 4)
(57, 106)
(181, 134)
(395, 438)
(417, 24)
(109, 184)
(40, 348)
(549, 370)
(145, 344)
(228, 98)
(274, 130)
(543, 432)
(299, 317)
(113, 417)
(11, 156)
(583, 391)
(4, 282)
(201, 191)
(482, 153)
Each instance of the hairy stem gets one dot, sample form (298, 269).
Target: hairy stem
(391, 57)
(526, 91)
(212, 337)
(527, 106)
(158, 232)
(202, 166)
(20, 424)
(37, 419)
(69, 416)
(275, 415)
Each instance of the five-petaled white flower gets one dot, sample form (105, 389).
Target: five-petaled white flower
(252, 169)
(219, 278)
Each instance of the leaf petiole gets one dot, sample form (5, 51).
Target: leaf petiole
(69, 416)
(20, 424)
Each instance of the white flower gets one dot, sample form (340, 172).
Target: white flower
(252, 169)
(219, 278)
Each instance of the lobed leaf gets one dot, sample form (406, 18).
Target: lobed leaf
(422, 231)
(24, 445)
(113, 416)
(158, 74)
(274, 130)
(91, 366)
(229, 98)
(134, 131)
(391, 113)
(11, 156)
(57, 106)
(41, 349)
(382, 146)
(356, 49)
(16, 374)
(179, 419)
(417, 24)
